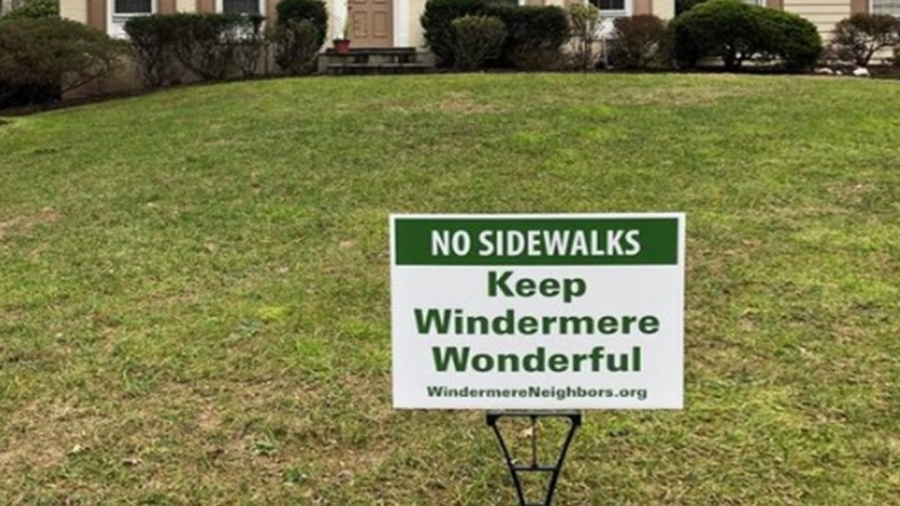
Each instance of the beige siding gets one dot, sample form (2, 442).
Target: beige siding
(664, 9)
(416, 8)
(76, 10)
(823, 13)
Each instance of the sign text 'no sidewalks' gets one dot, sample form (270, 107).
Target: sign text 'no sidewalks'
(538, 311)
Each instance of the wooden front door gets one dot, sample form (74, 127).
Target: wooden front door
(371, 23)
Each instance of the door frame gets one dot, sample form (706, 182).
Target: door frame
(400, 15)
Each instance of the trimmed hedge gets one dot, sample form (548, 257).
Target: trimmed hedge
(682, 6)
(295, 11)
(737, 32)
(477, 39)
(529, 29)
(153, 40)
(40, 59)
(204, 43)
(437, 25)
(723, 28)
(297, 43)
(207, 45)
(791, 39)
(35, 9)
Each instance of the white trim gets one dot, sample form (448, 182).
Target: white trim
(115, 20)
(401, 23)
(619, 13)
(262, 7)
(340, 16)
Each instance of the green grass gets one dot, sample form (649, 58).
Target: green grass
(194, 287)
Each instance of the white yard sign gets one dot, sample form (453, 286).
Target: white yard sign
(538, 311)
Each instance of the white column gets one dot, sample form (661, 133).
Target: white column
(339, 17)
(401, 23)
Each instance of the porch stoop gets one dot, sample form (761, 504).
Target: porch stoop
(392, 60)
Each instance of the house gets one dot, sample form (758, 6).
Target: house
(395, 23)
(375, 23)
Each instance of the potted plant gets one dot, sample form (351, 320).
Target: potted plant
(342, 42)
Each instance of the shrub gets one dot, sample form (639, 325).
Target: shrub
(533, 34)
(208, 45)
(36, 9)
(291, 12)
(476, 39)
(51, 57)
(682, 6)
(639, 42)
(531, 31)
(793, 40)
(297, 43)
(204, 43)
(737, 32)
(860, 36)
(584, 20)
(723, 28)
(437, 26)
(250, 46)
(153, 39)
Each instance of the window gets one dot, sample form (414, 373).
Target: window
(608, 7)
(122, 10)
(242, 6)
(891, 7)
(133, 7)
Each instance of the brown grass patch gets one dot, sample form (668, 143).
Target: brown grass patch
(461, 103)
(40, 435)
(22, 224)
(676, 96)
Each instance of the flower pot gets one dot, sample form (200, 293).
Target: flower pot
(342, 46)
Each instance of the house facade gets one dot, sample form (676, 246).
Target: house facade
(395, 23)
(374, 23)
(826, 13)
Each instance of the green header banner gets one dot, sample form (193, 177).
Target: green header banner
(535, 241)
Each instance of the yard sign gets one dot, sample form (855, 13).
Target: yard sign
(538, 311)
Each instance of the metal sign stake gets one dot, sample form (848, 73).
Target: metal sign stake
(554, 469)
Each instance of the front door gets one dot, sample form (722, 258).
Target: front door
(371, 23)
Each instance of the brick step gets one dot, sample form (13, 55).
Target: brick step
(374, 59)
(374, 51)
(380, 68)
(378, 57)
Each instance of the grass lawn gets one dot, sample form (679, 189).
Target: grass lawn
(194, 287)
